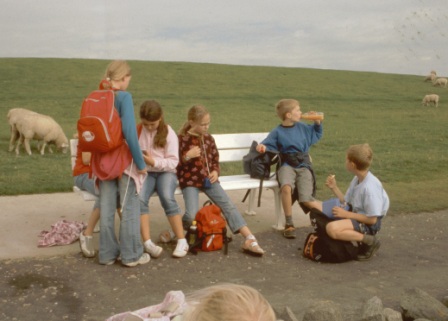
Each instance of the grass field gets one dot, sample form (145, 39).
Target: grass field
(410, 142)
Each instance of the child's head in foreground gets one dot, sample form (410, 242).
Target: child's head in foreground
(228, 302)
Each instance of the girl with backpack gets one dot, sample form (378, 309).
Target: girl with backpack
(199, 169)
(160, 145)
(128, 155)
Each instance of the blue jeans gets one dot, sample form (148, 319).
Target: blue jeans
(83, 182)
(164, 184)
(218, 196)
(130, 246)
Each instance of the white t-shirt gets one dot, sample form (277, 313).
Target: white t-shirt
(368, 197)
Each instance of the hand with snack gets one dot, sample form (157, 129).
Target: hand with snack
(261, 148)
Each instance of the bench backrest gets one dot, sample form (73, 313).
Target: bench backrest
(232, 147)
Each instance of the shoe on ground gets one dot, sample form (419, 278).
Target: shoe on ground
(181, 249)
(86, 245)
(289, 232)
(370, 250)
(252, 247)
(145, 258)
(153, 250)
(167, 236)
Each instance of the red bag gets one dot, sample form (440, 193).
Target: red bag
(212, 230)
(99, 124)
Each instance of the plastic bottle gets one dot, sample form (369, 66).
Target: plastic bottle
(193, 233)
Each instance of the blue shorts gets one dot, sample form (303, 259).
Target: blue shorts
(367, 229)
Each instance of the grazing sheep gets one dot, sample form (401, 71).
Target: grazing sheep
(42, 128)
(432, 76)
(440, 82)
(13, 116)
(433, 98)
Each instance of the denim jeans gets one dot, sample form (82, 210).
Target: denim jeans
(164, 184)
(130, 246)
(83, 182)
(218, 196)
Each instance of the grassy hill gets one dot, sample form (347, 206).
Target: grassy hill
(409, 141)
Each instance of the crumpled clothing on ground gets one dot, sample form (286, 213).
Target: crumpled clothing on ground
(62, 233)
(173, 299)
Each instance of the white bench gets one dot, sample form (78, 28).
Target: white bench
(232, 148)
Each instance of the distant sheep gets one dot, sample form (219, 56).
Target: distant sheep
(440, 82)
(432, 76)
(433, 98)
(13, 116)
(42, 128)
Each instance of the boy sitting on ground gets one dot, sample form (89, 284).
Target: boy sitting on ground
(367, 199)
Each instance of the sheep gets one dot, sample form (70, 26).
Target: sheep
(431, 77)
(40, 127)
(440, 82)
(13, 116)
(433, 98)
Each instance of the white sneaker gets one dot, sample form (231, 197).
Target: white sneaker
(145, 258)
(153, 249)
(181, 249)
(86, 245)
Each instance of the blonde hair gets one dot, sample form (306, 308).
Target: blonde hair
(285, 106)
(228, 302)
(195, 114)
(151, 110)
(115, 71)
(361, 155)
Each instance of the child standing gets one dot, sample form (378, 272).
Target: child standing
(117, 77)
(161, 147)
(367, 198)
(293, 139)
(198, 170)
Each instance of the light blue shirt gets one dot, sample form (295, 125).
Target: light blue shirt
(368, 197)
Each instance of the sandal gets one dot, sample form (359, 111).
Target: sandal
(289, 232)
(252, 247)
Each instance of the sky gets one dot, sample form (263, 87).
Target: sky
(387, 36)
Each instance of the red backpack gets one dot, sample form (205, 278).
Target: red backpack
(212, 229)
(99, 124)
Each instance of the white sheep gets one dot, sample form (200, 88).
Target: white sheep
(440, 82)
(433, 98)
(432, 76)
(13, 116)
(42, 128)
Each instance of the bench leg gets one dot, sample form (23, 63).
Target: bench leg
(280, 218)
(250, 208)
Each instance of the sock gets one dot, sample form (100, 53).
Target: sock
(250, 237)
(368, 239)
(182, 241)
(149, 243)
(289, 220)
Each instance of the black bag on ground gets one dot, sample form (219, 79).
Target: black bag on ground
(258, 165)
(322, 248)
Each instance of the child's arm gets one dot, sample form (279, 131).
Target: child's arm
(331, 184)
(362, 218)
(85, 156)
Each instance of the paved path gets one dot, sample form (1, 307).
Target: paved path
(23, 217)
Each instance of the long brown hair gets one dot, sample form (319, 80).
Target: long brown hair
(195, 114)
(151, 110)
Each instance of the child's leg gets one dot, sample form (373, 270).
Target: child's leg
(191, 199)
(145, 227)
(93, 220)
(343, 230)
